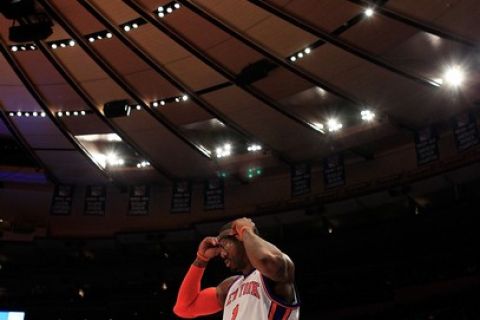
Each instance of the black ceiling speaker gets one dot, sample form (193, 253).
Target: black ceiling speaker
(255, 71)
(32, 31)
(116, 108)
(28, 23)
(16, 9)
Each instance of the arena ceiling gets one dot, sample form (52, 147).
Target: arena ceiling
(219, 86)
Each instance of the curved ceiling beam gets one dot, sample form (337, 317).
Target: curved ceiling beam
(163, 27)
(172, 79)
(19, 137)
(416, 23)
(342, 44)
(304, 74)
(36, 94)
(77, 87)
(119, 80)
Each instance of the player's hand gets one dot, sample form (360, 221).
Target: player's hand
(208, 249)
(239, 226)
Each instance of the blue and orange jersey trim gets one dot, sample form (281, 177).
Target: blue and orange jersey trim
(278, 312)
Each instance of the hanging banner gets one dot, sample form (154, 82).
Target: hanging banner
(426, 145)
(62, 200)
(213, 197)
(300, 179)
(95, 198)
(333, 172)
(181, 197)
(465, 130)
(139, 200)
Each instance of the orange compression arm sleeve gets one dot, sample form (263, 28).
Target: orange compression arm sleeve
(191, 302)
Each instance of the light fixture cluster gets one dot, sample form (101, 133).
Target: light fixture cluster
(76, 113)
(254, 172)
(23, 47)
(62, 44)
(132, 24)
(300, 54)
(224, 151)
(111, 159)
(99, 36)
(254, 147)
(163, 102)
(92, 37)
(143, 164)
(334, 125)
(167, 9)
(367, 115)
(27, 114)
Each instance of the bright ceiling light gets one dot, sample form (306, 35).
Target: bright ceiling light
(369, 12)
(110, 137)
(224, 151)
(454, 76)
(317, 126)
(254, 147)
(114, 160)
(334, 125)
(367, 115)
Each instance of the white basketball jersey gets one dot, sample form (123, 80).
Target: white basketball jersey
(249, 299)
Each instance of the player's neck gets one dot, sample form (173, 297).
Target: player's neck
(247, 270)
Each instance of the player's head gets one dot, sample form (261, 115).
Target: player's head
(232, 250)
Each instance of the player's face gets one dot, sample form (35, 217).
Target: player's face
(232, 253)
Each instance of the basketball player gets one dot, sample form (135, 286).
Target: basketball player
(265, 290)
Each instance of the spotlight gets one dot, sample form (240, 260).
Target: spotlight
(454, 76)
(334, 125)
(369, 12)
(367, 115)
